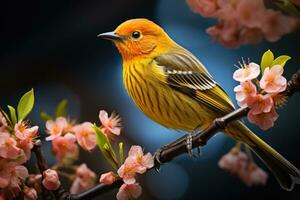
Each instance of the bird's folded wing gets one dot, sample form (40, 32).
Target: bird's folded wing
(183, 72)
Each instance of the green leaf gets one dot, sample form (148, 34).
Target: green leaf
(13, 115)
(61, 109)
(121, 153)
(6, 117)
(105, 147)
(45, 116)
(25, 104)
(266, 60)
(281, 60)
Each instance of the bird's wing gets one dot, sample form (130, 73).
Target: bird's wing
(183, 72)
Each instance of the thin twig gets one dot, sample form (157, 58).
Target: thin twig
(96, 191)
(41, 162)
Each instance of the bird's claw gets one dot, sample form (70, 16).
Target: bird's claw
(189, 146)
(157, 157)
(219, 122)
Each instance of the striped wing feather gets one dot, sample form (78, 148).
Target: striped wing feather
(183, 72)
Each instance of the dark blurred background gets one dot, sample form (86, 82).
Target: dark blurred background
(52, 47)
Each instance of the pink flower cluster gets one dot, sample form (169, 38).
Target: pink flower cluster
(63, 133)
(135, 163)
(262, 110)
(238, 164)
(15, 149)
(243, 21)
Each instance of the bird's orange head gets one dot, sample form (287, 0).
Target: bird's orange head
(139, 38)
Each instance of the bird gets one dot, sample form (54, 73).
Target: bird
(174, 89)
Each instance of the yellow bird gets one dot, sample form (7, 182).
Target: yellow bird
(173, 88)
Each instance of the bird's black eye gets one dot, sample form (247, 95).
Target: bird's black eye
(136, 35)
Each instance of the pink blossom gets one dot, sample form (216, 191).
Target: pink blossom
(3, 122)
(30, 193)
(260, 104)
(86, 175)
(275, 24)
(25, 153)
(231, 34)
(244, 21)
(85, 179)
(206, 8)
(11, 174)
(50, 179)
(136, 162)
(247, 73)
(108, 178)
(21, 172)
(253, 175)
(8, 146)
(128, 170)
(25, 136)
(227, 10)
(85, 135)
(131, 191)
(63, 146)
(6, 167)
(234, 161)
(18, 174)
(22, 157)
(110, 124)
(238, 163)
(244, 93)
(247, 12)
(263, 120)
(272, 80)
(76, 187)
(23, 132)
(226, 32)
(57, 128)
(144, 162)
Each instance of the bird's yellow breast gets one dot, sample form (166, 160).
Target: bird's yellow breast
(159, 101)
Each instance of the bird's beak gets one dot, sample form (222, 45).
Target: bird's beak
(110, 36)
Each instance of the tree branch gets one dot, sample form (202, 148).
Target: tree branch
(199, 139)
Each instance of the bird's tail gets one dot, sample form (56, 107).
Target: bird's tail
(286, 174)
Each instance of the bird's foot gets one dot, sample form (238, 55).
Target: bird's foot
(219, 122)
(157, 154)
(157, 157)
(189, 145)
